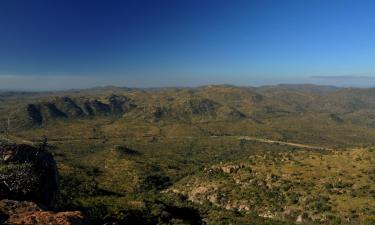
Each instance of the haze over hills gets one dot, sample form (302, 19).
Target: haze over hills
(280, 154)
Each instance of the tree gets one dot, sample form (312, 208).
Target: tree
(44, 143)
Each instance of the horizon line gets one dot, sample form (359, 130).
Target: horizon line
(179, 87)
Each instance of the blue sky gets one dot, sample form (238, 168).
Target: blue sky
(74, 43)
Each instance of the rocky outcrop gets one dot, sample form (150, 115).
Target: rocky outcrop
(16, 212)
(28, 187)
(28, 174)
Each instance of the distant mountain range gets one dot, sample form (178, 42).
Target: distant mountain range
(281, 109)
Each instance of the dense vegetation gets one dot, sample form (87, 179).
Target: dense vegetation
(206, 155)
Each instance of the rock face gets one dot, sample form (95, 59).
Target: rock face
(15, 212)
(28, 174)
(65, 107)
(29, 177)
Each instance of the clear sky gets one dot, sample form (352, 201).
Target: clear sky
(58, 44)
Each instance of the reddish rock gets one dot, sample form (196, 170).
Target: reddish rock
(48, 218)
(30, 213)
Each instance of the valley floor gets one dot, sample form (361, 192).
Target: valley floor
(220, 179)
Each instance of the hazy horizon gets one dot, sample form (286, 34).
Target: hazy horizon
(81, 44)
(57, 85)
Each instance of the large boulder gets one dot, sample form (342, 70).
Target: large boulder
(28, 174)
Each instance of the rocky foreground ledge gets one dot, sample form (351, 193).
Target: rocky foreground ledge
(28, 187)
(23, 212)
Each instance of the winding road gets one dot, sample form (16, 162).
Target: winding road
(247, 138)
(298, 145)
